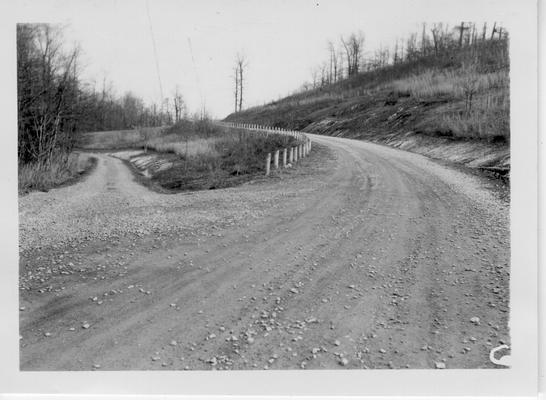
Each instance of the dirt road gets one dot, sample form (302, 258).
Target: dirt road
(363, 257)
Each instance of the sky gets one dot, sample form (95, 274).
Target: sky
(197, 41)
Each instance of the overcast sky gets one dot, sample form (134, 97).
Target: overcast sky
(282, 40)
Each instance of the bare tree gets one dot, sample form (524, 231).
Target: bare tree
(436, 31)
(240, 65)
(411, 47)
(353, 46)
(236, 74)
(469, 84)
(424, 40)
(324, 76)
(381, 57)
(395, 56)
(484, 31)
(500, 31)
(474, 34)
(462, 29)
(178, 103)
(166, 109)
(468, 34)
(47, 92)
(493, 31)
(315, 77)
(53, 104)
(440, 37)
(333, 72)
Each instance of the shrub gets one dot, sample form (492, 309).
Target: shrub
(44, 176)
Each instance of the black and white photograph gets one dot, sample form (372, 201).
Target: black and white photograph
(274, 186)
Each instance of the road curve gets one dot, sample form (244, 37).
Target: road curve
(362, 257)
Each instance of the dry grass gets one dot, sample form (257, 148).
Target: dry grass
(216, 157)
(118, 139)
(489, 118)
(481, 100)
(453, 83)
(59, 170)
(183, 147)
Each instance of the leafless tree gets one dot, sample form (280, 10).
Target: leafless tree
(484, 31)
(236, 92)
(493, 31)
(424, 40)
(472, 34)
(240, 66)
(334, 63)
(381, 57)
(178, 103)
(411, 47)
(440, 37)
(47, 92)
(395, 56)
(462, 31)
(315, 73)
(324, 75)
(54, 104)
(166, 108)
(354, 46)
(501, 32)
(436, 31)
(469, 84)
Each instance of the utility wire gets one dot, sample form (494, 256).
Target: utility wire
(155, 53)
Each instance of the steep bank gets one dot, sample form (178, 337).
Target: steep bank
(454, 107)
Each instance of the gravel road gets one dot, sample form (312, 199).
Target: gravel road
(362, 257)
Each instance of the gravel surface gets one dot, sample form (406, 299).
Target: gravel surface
(111, 203)
(362, 257)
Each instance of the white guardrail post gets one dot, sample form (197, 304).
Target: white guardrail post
(267, 163)
(290, 155)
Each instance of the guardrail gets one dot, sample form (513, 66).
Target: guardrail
(290, 155)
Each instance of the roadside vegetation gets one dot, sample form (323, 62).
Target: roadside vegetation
(443, 86)
(45, 176)
(118, 139)
(209, 156)
(58, 114)
(192, 154)
(55, 106)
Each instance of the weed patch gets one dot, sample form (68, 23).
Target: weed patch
(58, 171)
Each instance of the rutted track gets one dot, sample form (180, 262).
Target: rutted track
(370, 258)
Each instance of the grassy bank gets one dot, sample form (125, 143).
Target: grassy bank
(451, 101)
(61, 170)
(209, 156)
(191, 155)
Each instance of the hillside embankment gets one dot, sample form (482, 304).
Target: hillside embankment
(452, 107)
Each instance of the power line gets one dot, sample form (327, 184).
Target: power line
(155, 53)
